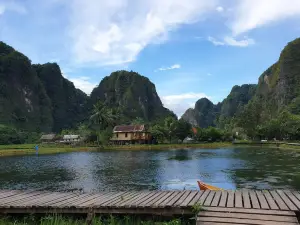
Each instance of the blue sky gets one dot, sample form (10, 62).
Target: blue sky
(189, 49)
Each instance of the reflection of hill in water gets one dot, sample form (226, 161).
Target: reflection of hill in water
(267, 168)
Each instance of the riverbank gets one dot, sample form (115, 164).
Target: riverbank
(25, 149)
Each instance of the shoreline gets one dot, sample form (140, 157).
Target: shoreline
(28, 149)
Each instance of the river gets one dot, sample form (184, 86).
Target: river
(229, 168)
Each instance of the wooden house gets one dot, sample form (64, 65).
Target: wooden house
(71, 138)
(47, 138)
(130, 134)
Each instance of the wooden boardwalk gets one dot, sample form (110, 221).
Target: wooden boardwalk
(218, 207)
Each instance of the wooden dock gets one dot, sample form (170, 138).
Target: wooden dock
(217, 207)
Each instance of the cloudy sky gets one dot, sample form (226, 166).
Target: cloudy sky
(188, 48)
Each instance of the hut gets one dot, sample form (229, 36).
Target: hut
(47, 138)
(130, 134)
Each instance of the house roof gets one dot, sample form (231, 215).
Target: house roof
(194, 129)
(129, 128)
(48, 137)
(70, 136)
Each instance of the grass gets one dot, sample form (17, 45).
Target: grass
(112, 220)
(24, 149)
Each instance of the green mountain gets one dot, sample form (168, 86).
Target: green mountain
(278, 90)
(134, 95)
(24, 103)
(203, 115)
(69, 105)
(39, 98)
(207, 114)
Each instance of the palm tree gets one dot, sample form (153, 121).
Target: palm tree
(103, 116)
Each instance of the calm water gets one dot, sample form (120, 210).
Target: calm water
(149, 170)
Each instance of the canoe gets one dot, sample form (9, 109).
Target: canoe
(204, 186)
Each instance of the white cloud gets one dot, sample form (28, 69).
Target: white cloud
(11, 6)
(116, 31)
(220, 9)
(231, 41)
(181, 102)
(251, 14)
(175, 66)
(215, 41)
(83, 84)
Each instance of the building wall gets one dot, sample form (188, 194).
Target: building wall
(130, 136)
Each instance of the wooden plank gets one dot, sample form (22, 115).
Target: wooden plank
(209, 198)
(188, 198)
(37, 201)
(115, 198)
(242, 221)
(121, 199)
(286, 200)
(202, 199)
(262, 200)
(69, 202)
(223, 199)
(213, 223)
(230, 199)
(293, 197)
(136, 198)
(153, 200)
(7, 194)
(55, 201)
(246, 199)
(252, 211)
(19, 197)
(146, 201)
(254, 200)
(292, 219)
(163, 198)
(279, 201)
(270, 200)
(166, 201)
(89, 201)
(145, 198)
(174, 200)
(196, 198)
(216, 198)
(238, 199)
(181, 200)
(109, 199)
(37, 197)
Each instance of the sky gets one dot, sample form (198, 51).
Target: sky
(189, 49)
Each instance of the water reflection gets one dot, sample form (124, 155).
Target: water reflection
(150, 170)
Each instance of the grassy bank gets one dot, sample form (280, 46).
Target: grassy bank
(24, 149)
(50, 220)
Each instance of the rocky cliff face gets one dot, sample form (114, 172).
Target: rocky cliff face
(278, 87)
(24, 102)
(69, 105)
(207, 114)
(133, 94)
(203, 115)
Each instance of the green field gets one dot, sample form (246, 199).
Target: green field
(23, 149)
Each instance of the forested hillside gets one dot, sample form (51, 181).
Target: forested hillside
(37, 98)
(270, 109)
(133, 95)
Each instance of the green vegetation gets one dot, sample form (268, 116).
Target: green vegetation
(269, 110)
(57, 220)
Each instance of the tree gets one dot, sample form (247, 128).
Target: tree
(182, 129)
(103, 117)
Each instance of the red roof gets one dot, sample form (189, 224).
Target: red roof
(194, 129)
(129, 128)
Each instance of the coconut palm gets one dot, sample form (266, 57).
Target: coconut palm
(103, 117)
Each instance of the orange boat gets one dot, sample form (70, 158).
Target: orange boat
(204, 186)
